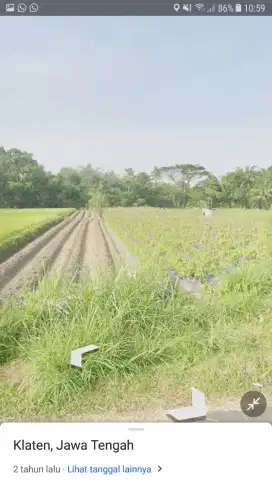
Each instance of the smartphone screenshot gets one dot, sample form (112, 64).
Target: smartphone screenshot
(135, 242)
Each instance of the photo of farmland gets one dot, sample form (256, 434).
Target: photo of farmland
(135, 218)
(99, 274)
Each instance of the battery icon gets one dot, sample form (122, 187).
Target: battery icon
(238, 7)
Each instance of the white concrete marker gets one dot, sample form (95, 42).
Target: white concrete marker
(196, 412)
(207, 212)
(258, 385)
(76, 355)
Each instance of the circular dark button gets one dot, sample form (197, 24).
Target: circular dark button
(253, 404)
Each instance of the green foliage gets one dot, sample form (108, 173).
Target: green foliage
(153, 344)
(19, 227)
(96, 202)
(24, 183)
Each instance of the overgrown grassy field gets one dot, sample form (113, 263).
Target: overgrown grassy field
(153, 345)
(18, 227)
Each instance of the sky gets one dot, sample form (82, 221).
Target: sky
(137, 92)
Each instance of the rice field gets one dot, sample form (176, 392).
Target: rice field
(17, 227)
(14, 221)
(154, 340)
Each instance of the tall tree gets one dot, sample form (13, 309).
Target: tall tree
(238, 184)
(210, 191)
(261, 192)
(182, 176)
(25, 183)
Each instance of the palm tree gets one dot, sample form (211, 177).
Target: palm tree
(247, 182)
(262, 193)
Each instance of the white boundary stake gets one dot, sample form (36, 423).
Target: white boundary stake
(207, 212)
(76, 355)
(186, 414)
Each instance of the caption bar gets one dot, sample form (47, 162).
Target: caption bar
(124, 452)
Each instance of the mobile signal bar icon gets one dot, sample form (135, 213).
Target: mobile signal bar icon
(212, 9)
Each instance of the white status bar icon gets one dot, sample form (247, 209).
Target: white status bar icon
(238, 7)
(10, 7)
(176, 7)
(33, 7)
(22, 8)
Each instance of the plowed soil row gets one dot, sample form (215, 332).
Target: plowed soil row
(80, 246)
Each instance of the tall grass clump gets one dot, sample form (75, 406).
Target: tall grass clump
(138, 331)
(97, 202)
(153, 341)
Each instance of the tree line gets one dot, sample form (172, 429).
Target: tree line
(25, 183)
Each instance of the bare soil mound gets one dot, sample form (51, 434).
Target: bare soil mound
(81, 245)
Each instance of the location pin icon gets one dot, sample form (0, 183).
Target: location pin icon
(176, 7)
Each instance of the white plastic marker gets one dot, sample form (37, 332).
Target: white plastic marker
(176, 7)
(76, 355)
(196, 412)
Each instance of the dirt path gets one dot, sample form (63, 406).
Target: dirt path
(218, 411)
(81, 245)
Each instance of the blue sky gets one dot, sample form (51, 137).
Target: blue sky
(137, 92)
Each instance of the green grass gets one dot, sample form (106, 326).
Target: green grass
(18, 227)
(151, 350)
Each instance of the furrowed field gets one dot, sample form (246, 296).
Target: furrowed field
(17, 227)
(155, 343)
